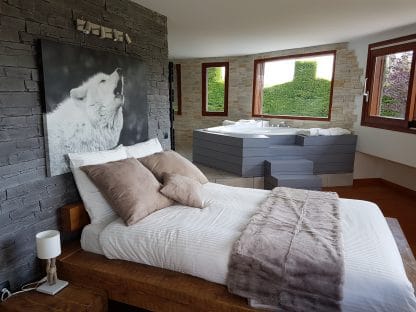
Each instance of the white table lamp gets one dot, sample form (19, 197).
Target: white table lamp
(48, 246)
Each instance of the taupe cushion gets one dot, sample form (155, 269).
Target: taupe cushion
(130, 188)
(172, 162)
(183, 190)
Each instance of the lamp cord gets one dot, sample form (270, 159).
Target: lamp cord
(6, 294)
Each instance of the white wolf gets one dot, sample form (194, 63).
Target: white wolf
(90, 119)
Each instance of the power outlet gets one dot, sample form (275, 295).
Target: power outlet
(4, 284)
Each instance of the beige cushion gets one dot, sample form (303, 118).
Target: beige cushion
(172, 162)
(183, 190)
(131, 189)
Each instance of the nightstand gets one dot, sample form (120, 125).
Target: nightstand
(70, 299)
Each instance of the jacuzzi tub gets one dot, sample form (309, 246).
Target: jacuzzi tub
(243, 148)
(252, 130)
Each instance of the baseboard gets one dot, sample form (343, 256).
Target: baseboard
(400, 188)
(337, 179)
(367, 182)
(380, 181)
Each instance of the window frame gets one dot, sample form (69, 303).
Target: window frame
(205, 66)
(257, 107)
(178, 88)
(375, 50)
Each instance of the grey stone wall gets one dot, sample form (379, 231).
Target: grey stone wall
(29, 201)
(347, 85)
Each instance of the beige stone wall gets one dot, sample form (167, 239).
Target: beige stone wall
(347, 85)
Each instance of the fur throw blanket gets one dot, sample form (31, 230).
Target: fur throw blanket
(290, 255)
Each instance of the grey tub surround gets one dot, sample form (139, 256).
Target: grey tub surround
(284, 160)
(296, 173)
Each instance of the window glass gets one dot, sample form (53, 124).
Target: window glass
(297, 86)
(215, 89)
(391, 85)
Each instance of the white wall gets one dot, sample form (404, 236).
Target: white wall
(367, 166)
(346, 87)
(391, 145)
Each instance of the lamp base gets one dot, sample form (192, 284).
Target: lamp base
(52, 289)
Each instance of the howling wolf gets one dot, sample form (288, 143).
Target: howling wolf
(90, 119)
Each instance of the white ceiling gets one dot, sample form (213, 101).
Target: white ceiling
(205, 28)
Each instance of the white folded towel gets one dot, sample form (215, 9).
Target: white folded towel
(252, 123)
(324, 132)
(228, 122)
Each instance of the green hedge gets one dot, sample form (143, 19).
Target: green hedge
(304, 96)
(389, 107)
(216, 87)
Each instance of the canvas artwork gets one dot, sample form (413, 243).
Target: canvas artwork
(94, 101)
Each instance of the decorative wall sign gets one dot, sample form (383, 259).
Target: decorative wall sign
(88, 27)
(94, 101)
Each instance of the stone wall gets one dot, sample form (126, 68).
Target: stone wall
(29, 201)
(347, 85)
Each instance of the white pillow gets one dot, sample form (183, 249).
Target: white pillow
(96, 205)
(144, 149)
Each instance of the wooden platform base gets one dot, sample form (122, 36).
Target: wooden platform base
(145, 286)
(405, 250)
(157, 289)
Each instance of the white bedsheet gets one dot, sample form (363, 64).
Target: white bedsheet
(90, 237)
(199, 242)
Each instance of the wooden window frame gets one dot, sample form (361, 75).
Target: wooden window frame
(205, 66)
(257, 101)
(178, 88)
(408, 124)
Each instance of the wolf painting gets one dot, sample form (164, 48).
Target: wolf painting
(91, 98)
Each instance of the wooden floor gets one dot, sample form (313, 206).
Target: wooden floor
(393, 202)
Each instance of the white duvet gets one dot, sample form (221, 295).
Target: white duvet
(199, 241)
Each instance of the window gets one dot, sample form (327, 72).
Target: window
(295, 87)
(177, 100)
(215, 89)
(389, 98)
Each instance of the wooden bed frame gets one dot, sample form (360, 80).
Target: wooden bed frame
(158, 289)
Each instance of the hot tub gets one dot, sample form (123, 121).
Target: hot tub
(243, 148)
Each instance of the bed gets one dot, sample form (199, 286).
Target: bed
(145, 250)
(197, 243)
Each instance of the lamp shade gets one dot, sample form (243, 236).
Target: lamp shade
(48, 244)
